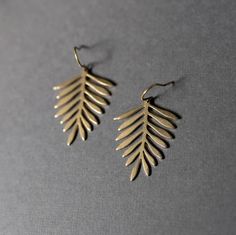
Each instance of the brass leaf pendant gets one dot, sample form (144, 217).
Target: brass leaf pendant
(80, 100)
(143, 133)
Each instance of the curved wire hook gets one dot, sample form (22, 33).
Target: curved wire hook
(76, 50)
(153, 85)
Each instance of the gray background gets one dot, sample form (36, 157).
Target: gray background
(49, 188)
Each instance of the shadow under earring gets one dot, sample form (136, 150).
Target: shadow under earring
(80, 99)
(144, 132)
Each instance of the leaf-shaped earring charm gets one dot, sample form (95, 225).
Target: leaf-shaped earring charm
(80, 99)
(144, 132)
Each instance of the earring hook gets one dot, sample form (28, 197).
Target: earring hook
(76, 50)
(153, 85)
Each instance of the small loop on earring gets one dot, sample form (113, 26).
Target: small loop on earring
(76, 49)
(153, 85)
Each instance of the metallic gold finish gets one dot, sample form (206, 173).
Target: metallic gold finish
(144, 133)
(80, 99)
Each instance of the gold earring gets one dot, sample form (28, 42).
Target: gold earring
(145, 132)
(80, 100)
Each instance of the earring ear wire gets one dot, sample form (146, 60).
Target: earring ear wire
(153, 85)
(76, 54)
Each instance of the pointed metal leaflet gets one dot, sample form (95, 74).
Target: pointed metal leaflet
(165, 112)
(72, 135)
(129, 113)
(65, 84)
(135, 170)
(101, 81)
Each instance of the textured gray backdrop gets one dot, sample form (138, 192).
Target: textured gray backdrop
(47, 188)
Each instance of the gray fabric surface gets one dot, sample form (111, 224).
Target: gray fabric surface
(49, 188)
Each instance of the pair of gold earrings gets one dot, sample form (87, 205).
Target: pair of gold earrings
(143, 133)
